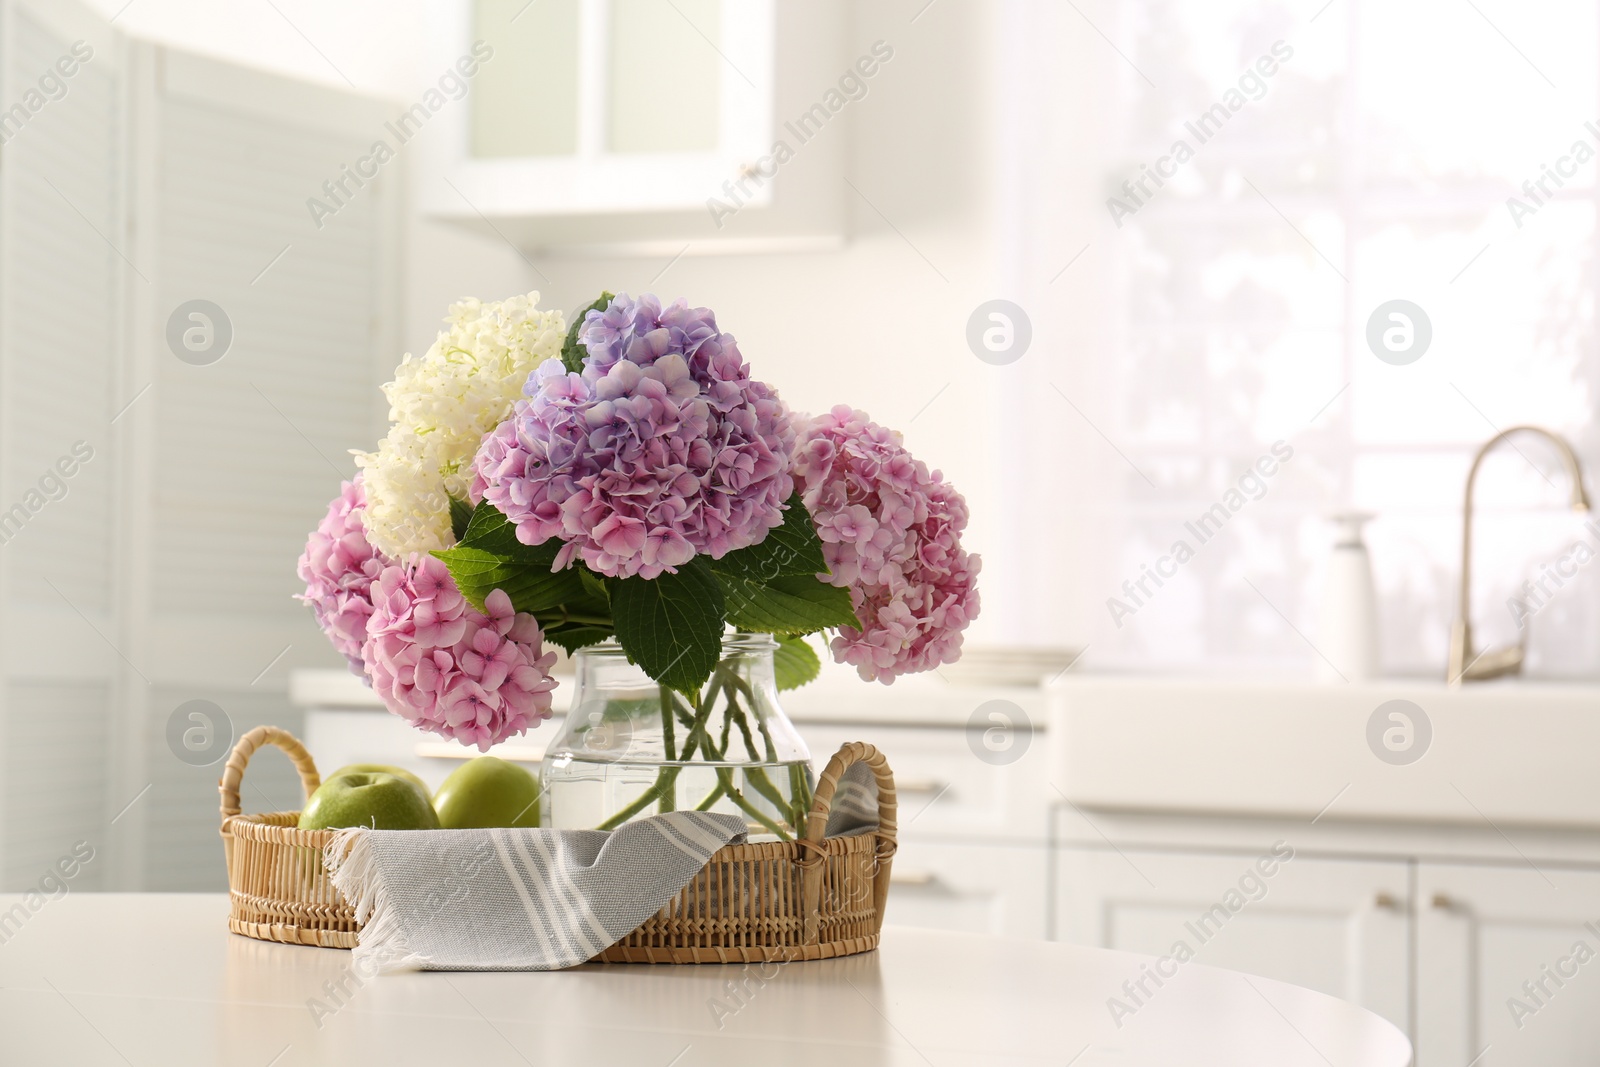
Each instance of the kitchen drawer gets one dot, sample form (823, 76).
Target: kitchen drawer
(984, 889)
(945, 790)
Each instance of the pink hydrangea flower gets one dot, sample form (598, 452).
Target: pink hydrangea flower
(338, 567)
(662, 449)
(447, 668)
(891, 533)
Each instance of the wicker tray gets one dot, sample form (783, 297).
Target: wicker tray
(812, 898)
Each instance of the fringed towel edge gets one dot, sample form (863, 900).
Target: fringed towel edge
(353, 870)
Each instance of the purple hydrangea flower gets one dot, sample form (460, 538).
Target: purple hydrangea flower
(663, 448)
(891, 533)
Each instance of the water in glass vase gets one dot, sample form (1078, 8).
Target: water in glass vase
(630, 749)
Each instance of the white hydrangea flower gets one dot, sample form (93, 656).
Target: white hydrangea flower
(440, 406)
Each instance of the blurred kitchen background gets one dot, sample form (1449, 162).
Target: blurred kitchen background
(936, 155)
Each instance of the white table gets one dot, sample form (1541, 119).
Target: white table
(156, 979)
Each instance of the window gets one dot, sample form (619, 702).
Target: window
(1338, 157)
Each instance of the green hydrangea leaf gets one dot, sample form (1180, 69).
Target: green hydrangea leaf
(460, 516)
(795, 662)
(491, 531)
(532, 586)
(593, 584)
(489, 557)
(571, 351)
(791, 604)
(792, 548)
(573, 638)
(671, 625)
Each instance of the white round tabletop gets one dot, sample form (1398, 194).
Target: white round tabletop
(142, 979)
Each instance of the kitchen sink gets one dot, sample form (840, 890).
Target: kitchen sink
(1508, 752)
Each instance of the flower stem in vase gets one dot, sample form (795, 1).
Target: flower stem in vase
(766, 735)
(669, 743)
(715, 754)
(712, 797)
(725, 778)
(665, 780)
(756, 776)
(801, 791)
(736, 714)
(662, 791)
(722, 746)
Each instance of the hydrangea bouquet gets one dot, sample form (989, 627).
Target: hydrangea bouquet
(623, 480)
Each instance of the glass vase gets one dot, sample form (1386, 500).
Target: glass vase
(630, 748)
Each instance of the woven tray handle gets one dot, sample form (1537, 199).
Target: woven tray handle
(233, 773)
(822, 801)
(817, 825)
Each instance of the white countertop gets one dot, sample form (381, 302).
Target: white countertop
(156, 979)
(943, 698)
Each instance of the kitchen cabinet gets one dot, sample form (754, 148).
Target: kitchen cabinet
(1508, 965)
(600, 124)
(637, 128)
(1493, 827)
(1493, 964)
(1339, 926)
(981, 889)
(944, 791)
(973, 835)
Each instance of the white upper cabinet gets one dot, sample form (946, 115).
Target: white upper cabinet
(641, 127)
(602, 106)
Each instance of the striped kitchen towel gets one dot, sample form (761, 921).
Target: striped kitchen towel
(514, 900)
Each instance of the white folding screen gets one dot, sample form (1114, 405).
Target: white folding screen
(165, 573)
(62, 222)
(245, 452)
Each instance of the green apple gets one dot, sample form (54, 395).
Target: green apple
(486, 791)
(382, 768)
(368, 798)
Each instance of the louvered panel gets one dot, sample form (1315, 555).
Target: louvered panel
(182, 850)
(251, 448)
(60, 312)
(53, 776)
(224, 467)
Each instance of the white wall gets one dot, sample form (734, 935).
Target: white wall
(370, 45)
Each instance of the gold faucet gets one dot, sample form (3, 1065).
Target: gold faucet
(1465, 666)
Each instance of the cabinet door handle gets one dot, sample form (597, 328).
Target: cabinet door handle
(900, 876)
(1385, 902)
(918, 785)
(1441, 902)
